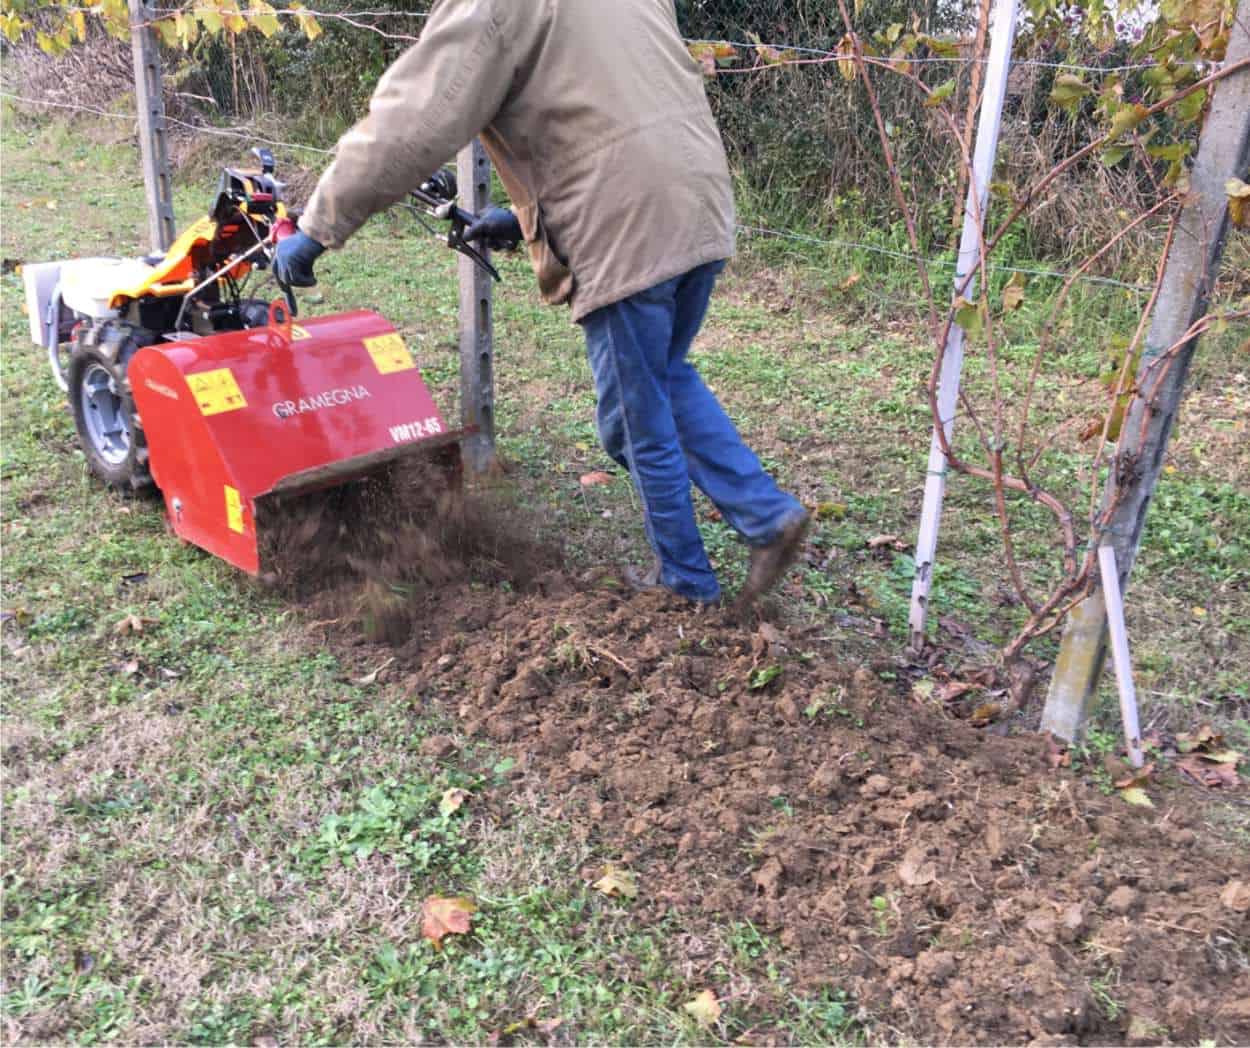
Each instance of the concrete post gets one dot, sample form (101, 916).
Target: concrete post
(477, 345)
(1190, 271)
(150, 104)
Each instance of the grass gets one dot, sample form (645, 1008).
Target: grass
(213, 834)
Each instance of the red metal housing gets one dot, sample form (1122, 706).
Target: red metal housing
(233, 417)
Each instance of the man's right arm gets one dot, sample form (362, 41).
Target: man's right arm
(428, 105)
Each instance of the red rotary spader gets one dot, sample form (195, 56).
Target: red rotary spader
(235, 417)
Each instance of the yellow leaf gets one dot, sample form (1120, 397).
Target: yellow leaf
(1238, 202)
(167, 31)
(188, 29)
(311, 28)
(1199, 613)
(846, 66)
(1135, 795)
(440, 916)
(617, 882)
(11, 25)
(1013, 293)
(452, 800)
(263, 18)
(79, 21)
(705, 1008)
(209, 17)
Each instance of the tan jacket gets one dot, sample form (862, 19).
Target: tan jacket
(595, 116)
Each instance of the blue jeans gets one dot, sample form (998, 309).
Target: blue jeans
(657, 419)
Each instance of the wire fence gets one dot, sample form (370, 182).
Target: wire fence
(798, 131)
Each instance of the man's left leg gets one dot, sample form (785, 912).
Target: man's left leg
(628, 345)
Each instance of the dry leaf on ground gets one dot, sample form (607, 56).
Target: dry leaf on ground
(442, 916)
(372, 676)
(1206, 773)
(705, 1008)
(617, 882)
(452, 800)
(915, 870)
(598, 476)
(1236, 896)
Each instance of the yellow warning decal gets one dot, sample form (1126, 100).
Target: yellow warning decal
(234, 509)
(298, 333)
(216, 391)
(389, 353)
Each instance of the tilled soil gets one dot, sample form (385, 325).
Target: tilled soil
(956, 883)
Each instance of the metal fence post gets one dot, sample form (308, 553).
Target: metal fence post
(1192, 264)
(150, 104)
(477, 342)
(1002, 35)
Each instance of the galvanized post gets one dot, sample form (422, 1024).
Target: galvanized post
(150, 104)
(1001, 36)
(1190, 271)
(477, 344)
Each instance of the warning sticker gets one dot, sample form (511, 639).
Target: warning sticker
(216, 391)
(234, 509)
(389, 353)
(298, 333)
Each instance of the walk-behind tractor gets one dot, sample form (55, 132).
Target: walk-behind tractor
(179, 380)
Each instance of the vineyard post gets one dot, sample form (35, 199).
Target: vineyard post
(150, 105)
(999, 65)
(1189, 273)
(477, 346)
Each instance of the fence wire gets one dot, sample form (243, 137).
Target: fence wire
(799, 133)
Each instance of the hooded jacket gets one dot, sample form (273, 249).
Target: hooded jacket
(595, 116)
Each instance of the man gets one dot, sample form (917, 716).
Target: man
(595, 116)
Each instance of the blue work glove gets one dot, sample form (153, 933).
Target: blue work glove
(293, 259)
(496, 228)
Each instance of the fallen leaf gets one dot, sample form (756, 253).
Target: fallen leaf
(453, 800)
(1206, 736)
(442, 916)
(372, 676)
(1135, 795)
(132, 624)
(1137, 777)
(617, 882)
(705, 1008)
(129, 669)
(1211, 776)
(1236, 896)
(830, 510)
(1056, 753)
(985, 713)
(953, 689)
(770, 633)
(915, 870)
(850, 281)
(877, 541)
(18, 616)
(598, 476)
(922, 690)
(1221, 757)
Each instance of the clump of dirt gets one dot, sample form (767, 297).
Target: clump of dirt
(960, 886)
(379, 550)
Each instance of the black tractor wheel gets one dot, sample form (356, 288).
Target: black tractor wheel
(109, 428)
